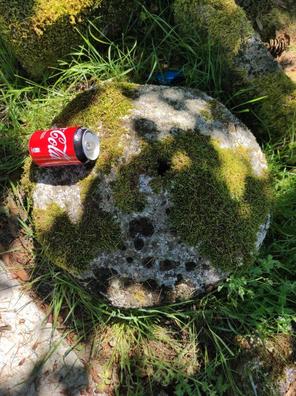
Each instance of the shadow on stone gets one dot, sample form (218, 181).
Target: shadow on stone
(72, 381)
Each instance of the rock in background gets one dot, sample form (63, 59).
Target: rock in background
(177, 200)
(42, 32)
(248, 64)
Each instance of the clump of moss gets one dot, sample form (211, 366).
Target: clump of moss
(72, 246)
(42, 31)
(268, 360)
(224, 203)
(222, 21)
(278, 110)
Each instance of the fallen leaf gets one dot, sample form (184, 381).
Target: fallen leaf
(22, 361)
(94, 375)
(35, 345)
(22, 275)
(50, 318)
(5, 328)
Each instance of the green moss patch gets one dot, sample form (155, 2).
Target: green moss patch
(218, 202)
(69, 245)
(42, 31)
(278, 110)
(73, 246)
(222, 21)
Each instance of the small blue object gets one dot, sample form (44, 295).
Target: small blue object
(169, 77)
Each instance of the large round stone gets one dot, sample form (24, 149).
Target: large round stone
(177, 200)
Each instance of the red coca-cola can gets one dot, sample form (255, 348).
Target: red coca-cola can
(64, 146)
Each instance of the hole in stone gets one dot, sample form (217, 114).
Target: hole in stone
(168, 211)
(145, 127)
(103, 274)
(123, 247)
(179, 278)
(129, 259)
(176, 131)
(139, 243)
(163, 166)
(190, 265)
(148, 262)
(142, 226)
(205, 267)
(151, 284)
(166, 265)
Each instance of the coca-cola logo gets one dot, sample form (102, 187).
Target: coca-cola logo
(57, 145)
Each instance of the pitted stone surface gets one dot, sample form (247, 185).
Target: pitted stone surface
(152, 265)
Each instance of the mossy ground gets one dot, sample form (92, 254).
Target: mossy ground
(41, 32)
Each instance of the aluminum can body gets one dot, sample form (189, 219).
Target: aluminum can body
(63, 146)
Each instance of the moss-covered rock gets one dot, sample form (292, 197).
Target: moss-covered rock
(249, 64)
(222, 21)
(178, 198)
(225, 25)
(276, 20)
(42, 31)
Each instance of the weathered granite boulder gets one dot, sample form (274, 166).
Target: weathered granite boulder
(40, 32)
(178, 198)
